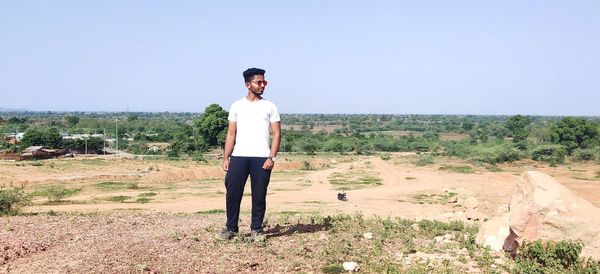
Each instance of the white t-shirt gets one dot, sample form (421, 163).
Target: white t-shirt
(253, 121)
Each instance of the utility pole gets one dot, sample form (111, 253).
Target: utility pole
(117, 135)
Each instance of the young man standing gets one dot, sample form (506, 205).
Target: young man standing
(248, 153)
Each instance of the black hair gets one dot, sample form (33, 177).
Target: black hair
(249, 73)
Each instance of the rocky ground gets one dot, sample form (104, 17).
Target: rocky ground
(135, 242)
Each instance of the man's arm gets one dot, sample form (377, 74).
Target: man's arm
(229, 141)
(275, 141)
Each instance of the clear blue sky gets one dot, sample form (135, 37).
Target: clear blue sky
(421, 57)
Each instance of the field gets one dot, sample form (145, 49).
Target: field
(157, 215)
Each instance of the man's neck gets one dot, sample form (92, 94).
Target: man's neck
(252, 97)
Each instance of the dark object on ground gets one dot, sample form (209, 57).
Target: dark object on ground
(342, 196)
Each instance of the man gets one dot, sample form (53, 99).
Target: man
(250, 119)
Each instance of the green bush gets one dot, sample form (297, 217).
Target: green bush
(490, 152)
(584, 154)
(553, 154)
(424, 160)
(495, 154)
(553, 257)
(12, 199)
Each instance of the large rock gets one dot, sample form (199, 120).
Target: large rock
(494, 232)
(542, 208)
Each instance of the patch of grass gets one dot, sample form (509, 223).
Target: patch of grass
(313, 202)
(142, 200)
(424, 160)
(353, 180)
(333, 269)
(109, 186)
(93, 162)
(434, 198)
(410, 178)
(118, 198)
(147, 194)
(210, 181)
(37, 163)
(494, 168)
(212, 211)
(457, 169)
(56, 194)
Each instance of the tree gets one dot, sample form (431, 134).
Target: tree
(52, 138)
(16, 120)
(575, 133)
(32, 137)
(479, 134)
(211, 124)
(48, 137)
(71, 121)
(93, 144)
(517, 125)
(467, 125)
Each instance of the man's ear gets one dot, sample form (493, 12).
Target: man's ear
(247, 84)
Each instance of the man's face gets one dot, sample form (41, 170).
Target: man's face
(257, 84)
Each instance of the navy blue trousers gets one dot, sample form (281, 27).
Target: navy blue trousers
(235, 180)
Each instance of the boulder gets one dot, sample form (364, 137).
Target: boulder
(494, 232)
(542, 208)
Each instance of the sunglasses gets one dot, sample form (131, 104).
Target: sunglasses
(263, 82)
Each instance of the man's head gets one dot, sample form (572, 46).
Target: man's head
(254, 79)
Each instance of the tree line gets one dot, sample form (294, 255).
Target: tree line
(490, 138)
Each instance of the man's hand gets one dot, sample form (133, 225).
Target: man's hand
(268, 164)
(225, 164)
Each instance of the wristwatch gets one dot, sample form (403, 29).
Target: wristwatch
(272, 158)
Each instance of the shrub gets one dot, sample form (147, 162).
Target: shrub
(12, 199)
(337, 145)
(306, 166)
(57, 194)
(457, 169)
(552, 154)
(553, 257)
(424, 160)
(385, 156)
(584, 154)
